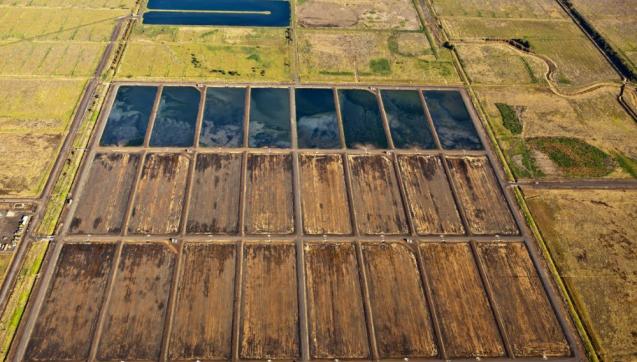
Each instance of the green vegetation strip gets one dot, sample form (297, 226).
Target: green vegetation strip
(12, 315)
(626, 163)
(566, 295)
(510, 118)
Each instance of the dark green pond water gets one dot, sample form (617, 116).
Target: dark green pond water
(176, 117)
(362, 122)
(407, 121)
(223, 118)
(270, 117)
(452, 121)
(316, 122)
(128, 120)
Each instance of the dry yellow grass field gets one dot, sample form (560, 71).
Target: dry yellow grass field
(26, 160)
(578, 62)
(533, 9)
(616, 21)
(592, 237)
(84, 4)
(363, 14)
(380, 56)
(495, 63)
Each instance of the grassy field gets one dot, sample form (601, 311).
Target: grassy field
(81, 25)
(180, 53)
(495, 63)
(48, 50)
(579, 63)
(616, 21)
(353, 56)
(591, 237)
(362, 14)
(596, 118)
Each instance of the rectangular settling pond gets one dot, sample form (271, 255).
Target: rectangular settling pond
(223, 117)
(128, 121)
(270, 117)
(316, 120)
(452, 120)
(176, 117)
(362, 121)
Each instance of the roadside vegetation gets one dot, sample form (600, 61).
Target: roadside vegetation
(11, 316)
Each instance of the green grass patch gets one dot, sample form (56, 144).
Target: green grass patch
(510, 118)
(380, 66)
(626, 163)
(573, 156)
(521, 160)
(19, 297)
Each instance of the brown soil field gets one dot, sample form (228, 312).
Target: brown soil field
(369, 14)
(431, 202)
(324, 195)
(336, 315)
(529, 319)
(214, 202)
(269, 197)
(376, 197)
(203, 313)
(160, 195)
(137, 308)
(592, 237)
(67, 321)
(104, 200)
(400, 314)
(468, 325)
(269, 308)
(478, 192)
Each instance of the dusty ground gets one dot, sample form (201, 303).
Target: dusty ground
(368, 14)
(592, 236)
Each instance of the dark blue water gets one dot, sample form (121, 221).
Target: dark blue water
(176, 117)
(270, 117)
(361, 119)
(316, 122)
(452, 121)
(128, 120)
(223, 118)
(407, 121)
(273, 13)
